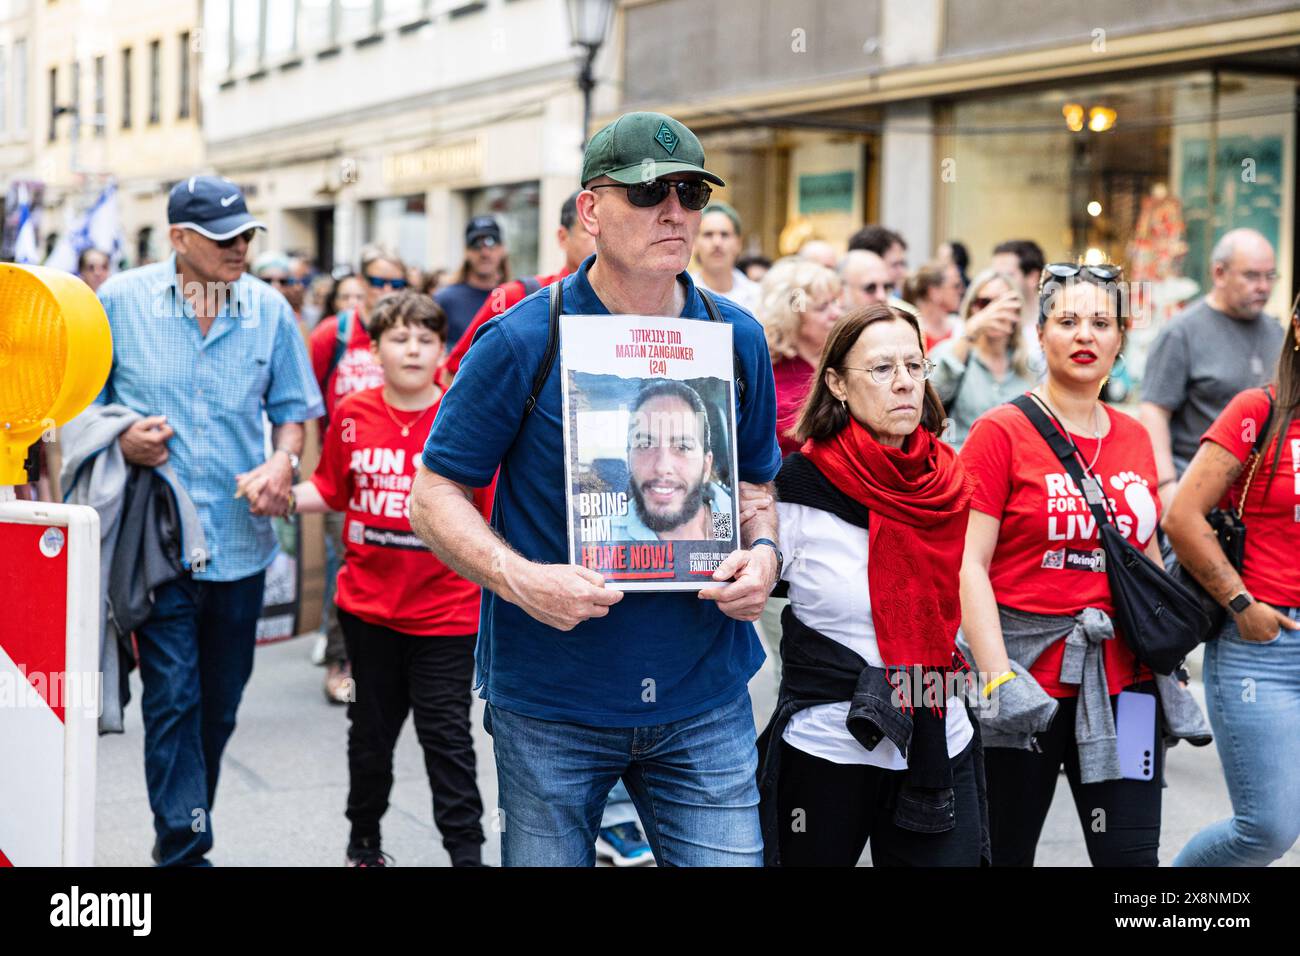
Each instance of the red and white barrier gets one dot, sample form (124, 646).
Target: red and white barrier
(50, 693)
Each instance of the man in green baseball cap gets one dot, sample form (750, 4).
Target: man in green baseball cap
(645, 185)
(564, 661)
(639, 147)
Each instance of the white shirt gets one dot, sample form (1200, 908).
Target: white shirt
(826, 565)
(744, 290)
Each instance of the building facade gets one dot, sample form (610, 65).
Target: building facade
(17, 171)
(115, 98)
(1133, 132)
(357, 121)
(15, 88)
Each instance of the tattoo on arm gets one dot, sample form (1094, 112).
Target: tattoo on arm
(1212, 473)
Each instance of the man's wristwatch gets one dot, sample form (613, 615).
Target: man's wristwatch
(1240, 601)
(293, 461)
(780, 559)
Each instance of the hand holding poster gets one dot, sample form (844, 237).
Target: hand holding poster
(650, 454)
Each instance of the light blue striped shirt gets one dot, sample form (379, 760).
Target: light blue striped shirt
(213, 391)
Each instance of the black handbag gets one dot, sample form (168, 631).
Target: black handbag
(1161, 620)
(1230, 529)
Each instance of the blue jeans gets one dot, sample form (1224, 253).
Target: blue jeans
(1253, 693)
(196, 655)
(692, 782)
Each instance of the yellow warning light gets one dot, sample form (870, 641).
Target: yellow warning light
(55, 353)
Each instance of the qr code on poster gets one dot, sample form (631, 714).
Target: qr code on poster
(722, 526)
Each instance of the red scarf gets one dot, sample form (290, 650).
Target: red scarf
(919, 497)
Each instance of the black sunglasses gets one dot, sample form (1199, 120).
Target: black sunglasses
(289, 281)
(693, 194)
(248, 237)
(378, 282)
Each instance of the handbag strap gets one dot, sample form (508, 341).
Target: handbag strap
(1257, 454)
(1068, 452)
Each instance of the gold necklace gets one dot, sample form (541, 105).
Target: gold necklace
(1096, 426)
(406, 428)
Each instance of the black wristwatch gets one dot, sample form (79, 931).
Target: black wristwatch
(780, 558)
(1240, 601)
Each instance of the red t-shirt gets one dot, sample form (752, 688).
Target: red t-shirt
(793, 378)
(932, 340)
(357, 369)
(1271, 570)
(499, 300)
(1045, 559)
(388, 576)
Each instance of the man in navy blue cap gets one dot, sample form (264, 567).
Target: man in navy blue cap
(202, 353)
(484, 269)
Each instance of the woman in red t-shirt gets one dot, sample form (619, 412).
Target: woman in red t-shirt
(799, 306)
(408, 620)
(1036, 603)
(1257, 733)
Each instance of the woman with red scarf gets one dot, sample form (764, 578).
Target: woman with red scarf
(870, 740)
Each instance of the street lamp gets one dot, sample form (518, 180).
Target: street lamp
(588, 24)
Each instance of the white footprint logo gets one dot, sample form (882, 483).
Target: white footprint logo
(1138, 495)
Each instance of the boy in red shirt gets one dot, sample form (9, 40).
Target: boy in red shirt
(409, 622)
(344, 363)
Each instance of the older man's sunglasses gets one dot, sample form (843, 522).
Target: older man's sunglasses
(247, 236)
(693, 194)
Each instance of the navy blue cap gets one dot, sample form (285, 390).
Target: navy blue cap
(210, 205)
(482, 227)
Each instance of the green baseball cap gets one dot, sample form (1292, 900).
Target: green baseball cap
(640, 147)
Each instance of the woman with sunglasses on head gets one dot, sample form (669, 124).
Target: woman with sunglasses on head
(870, 740)
(1037, 610)
(1257, 733)
(985, 363)
(344, 363)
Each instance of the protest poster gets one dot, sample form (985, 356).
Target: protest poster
(650, 451)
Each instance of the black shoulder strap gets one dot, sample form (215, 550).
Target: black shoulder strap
(1065, 450)
(738, 370)
(552, 346)
(710, 306)
(553, 343)
(530, 284)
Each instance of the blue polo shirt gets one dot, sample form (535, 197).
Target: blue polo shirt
(656, 657)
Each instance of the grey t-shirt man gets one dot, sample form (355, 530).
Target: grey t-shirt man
(1200, 361)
